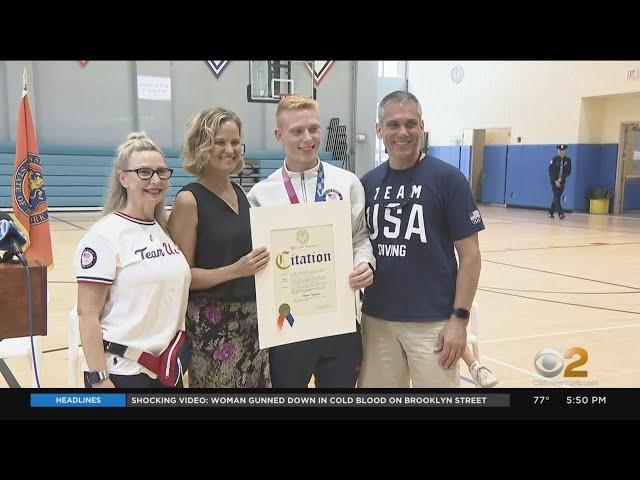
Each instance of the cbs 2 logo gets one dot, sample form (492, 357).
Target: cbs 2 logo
(551, 362)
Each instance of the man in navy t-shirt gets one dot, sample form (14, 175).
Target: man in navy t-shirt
(418, 209)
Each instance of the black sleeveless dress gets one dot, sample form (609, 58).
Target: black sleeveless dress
(222, 324)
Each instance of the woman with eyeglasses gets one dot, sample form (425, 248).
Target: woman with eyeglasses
(210, 223)
(133, 281)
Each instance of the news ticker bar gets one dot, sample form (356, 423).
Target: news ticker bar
(248, 400)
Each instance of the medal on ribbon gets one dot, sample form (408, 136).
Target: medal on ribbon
(284, 312)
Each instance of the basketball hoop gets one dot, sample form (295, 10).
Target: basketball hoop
(268, 80)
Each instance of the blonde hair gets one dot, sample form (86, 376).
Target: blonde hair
(116, 195)
(294, 102)
(199, 140)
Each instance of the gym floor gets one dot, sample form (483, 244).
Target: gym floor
(545, 283)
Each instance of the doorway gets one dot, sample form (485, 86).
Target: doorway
(493, 165)
(627, 191)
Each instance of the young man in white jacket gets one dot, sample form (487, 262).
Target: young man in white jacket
(334, 361)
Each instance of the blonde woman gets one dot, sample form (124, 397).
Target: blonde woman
(210, 223)
(133, 282)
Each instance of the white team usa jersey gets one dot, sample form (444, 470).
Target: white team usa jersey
(148, 279)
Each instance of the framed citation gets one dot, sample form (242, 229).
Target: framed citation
(304, 292)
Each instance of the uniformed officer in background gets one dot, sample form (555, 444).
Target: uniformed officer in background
(559, 170)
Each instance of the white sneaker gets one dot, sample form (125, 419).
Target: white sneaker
(483, 377)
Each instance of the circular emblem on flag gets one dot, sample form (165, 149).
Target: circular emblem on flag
(88, 258)
(29, 189)
(331, 194)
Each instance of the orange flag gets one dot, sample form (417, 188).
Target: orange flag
(29, 198)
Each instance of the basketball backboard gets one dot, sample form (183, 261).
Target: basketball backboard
(270, 79)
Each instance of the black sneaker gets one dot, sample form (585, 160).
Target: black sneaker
(561, 216)
(551, 215)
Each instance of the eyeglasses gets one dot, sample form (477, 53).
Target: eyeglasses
(146, 173)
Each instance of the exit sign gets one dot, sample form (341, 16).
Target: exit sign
(633, 74)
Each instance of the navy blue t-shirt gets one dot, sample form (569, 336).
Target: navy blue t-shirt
(414, 216)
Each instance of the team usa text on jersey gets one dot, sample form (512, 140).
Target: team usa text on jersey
(160, 252)
(395, 224)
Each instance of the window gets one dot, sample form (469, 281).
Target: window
(381, 151)
(392, 75)
(392, 69)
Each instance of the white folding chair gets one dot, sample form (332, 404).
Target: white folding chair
(473, 335)
(75, 353)
(21, 347)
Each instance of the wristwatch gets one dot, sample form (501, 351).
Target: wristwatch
(462, 313)
(97, 377)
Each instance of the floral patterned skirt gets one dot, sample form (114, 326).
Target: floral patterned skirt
(224, 345)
